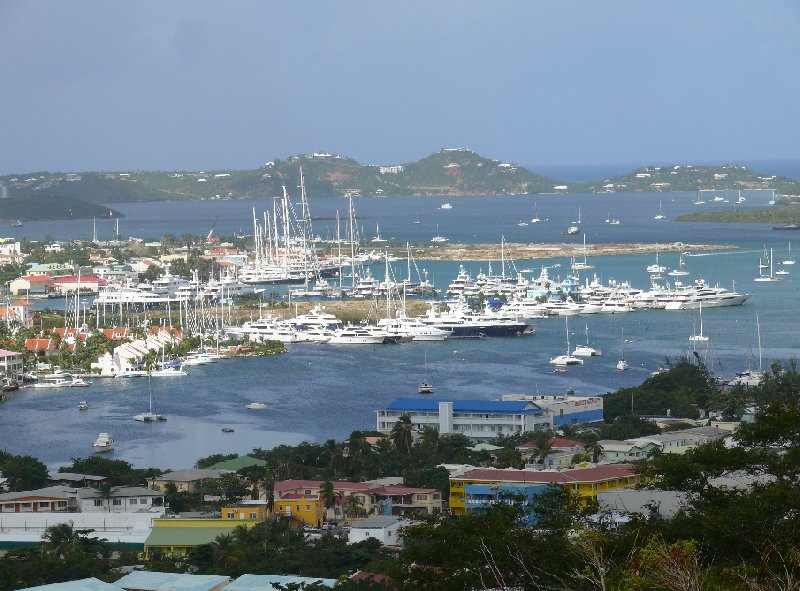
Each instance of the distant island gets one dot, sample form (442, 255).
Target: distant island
(450, 172)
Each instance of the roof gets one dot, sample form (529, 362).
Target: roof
(6, 353)
(33, 278)
(186, 536)
(72, 477)
(189, 474)
(401, 490)
(488, 406)
(235, 464)
(120, 491)
(368, 576)
(594, 474)
(337, 485)
(170, 581)
(297, 497)
(485, 447)
(74, 279)
(90, 584)
(262, 582)
(50, 492)
(377, 522)
(42, 344)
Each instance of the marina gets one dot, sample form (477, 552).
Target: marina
(317, 391)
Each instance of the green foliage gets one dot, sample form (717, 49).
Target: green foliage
(120, 472)
(23, 472)
(209, 461)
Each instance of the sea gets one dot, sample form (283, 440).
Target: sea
(317, 392)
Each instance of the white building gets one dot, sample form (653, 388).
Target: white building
(123, 499)
(384, 528)
(11, 364)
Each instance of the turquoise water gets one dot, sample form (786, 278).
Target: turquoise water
(317, 391)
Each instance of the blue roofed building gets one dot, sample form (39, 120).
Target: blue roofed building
(487, 419)
(90, 584)
(157, 581)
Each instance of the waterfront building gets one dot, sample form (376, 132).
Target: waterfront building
(11, 364)
(71, 284)
(178, 537)
(468, 489)
(31, 285)
(488, 419)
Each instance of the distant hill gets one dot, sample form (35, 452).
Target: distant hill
(46, 207)
(449, 172)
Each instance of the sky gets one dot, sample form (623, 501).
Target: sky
(204, 85)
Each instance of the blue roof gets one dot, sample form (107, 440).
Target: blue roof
(146, 580)
(264, 582)
(90, 584)
(487, 406)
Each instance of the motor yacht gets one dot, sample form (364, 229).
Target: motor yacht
(104, 443)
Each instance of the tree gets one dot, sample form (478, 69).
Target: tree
(403, 434)
(353, 507)
(24, 472)
(327, 495)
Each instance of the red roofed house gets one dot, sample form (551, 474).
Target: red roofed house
(43, 347)
(31, 284)
(119, 333)
(88, 284)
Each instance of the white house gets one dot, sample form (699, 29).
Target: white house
(123, 499)
(384, 528)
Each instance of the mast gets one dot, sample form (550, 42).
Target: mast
(352, 247)
(758, 333)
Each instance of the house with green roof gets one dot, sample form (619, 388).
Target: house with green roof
(236, 464)
(178, 536)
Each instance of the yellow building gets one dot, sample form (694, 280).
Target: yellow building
(246, 510)
(467, 491)
(307, 509)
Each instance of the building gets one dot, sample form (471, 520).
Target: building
(43, 500)
(11, 364)
(384, 528)
(268, 582)
(236, 464)
(90, 584)
(585, 482)
(614, 450)
(75, 480)
(189, 480)
(31, 284)
(303, 508)
(178, 536)
(399, 500)
(71, 284)
(488, 419)
(142, 580)
(17, 313)
(122, 499)
(246, 510)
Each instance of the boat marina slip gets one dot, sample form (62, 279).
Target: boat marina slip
(321, 389)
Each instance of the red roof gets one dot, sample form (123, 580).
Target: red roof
(21, 303)
(297, 497)
(312, 484)
(594, 474)
(367, 576)
(43, 278)
(557, 443)
(42, 344)
(117, 334)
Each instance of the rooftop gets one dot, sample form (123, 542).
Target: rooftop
(155, 581)
(593, 474)
(90, 584)
(190, 474)
(378, 521)
(186, 536)
(263, 582)
(486, 406)
(235, 464)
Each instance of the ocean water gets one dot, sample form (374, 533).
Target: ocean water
(316, 392)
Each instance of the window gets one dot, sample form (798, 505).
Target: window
(308, 508)
(134, 502)
(252, 516)
(297, 508)
(422, 497)
(44, 505)
(116, 502)
(280, 507)
(98, 502)
(230, 514)
(61, 504)
(25, 506)
(8, 507)
(307, 491)
(143, 501)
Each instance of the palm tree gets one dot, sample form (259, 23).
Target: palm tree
(353, 506)
(541, 445)
(224, 548)
(60, 540)
(403, 433)
(328, 496)
(595, 449)
(429, 439)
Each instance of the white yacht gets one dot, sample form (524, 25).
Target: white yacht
(413, 327)
(566, 359)
(58, 380)
(169, 372)
(586, 350)
(355, 335)
(256, 406)
(103, 443)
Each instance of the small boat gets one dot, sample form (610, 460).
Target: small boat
(573, 230)
(660, 215)
(789, 260)
(256, 406)
(227, 429)
(622, 365)
(439, 237)
(425, 387)
(699, 338)
(586, 350)
(16, 223)
(53, 381)
(79, 383)
(104, 443)
(445, 206)
(82, 405)
(522, 224)
(134, 373)
(149, 416)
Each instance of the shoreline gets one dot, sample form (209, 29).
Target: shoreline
(521, 251)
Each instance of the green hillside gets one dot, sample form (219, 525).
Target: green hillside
(47, 207)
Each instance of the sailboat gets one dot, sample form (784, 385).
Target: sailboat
(578, 266)
(657, 267)
(566, 359)
(378, 234)
(751, 377)
(699, 338)
(425, 387)
(586, 350)
(660, 215)
(149, 416)
(522, 223)
(680, 271)
(622, 365)
(767, 278)
(698, 201)
(789, 260)
(535, 219)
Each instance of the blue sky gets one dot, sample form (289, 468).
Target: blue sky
(203, 85)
